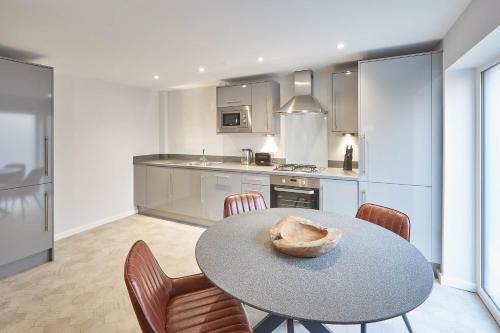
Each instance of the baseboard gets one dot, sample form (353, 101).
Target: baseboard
(92, 225)
(456, 283)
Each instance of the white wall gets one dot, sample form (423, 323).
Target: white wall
(191, 124)
(478, 20)
(471, 29)
(458, 264)
(98, 128)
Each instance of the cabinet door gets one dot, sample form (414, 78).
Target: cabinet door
(158, 188)
(339, 196)
(262, 189)
(217, 186)
(26, 222)
(234, 95)
(345, 102)
(261, 107)
(395, 120)
(186, 198)
(25, 124)
(414, 201)
(140, 179)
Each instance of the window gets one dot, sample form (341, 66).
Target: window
(490, 214)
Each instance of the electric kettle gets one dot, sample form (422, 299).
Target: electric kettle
(246, 156)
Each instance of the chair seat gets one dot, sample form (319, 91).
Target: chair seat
(206, 310)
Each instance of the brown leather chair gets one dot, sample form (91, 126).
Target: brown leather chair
(187, 304)
(388, 218)
(242, 203)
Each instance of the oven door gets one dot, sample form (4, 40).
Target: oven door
(234, 119)
(294, 197)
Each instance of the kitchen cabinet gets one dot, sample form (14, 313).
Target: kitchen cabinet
(265, 99)
(140, 179)
(186, 197)
(344, 117)
(158, 188)
(26, 228)
(262, 189)
(414, 201)
(234, 95)
(339, 196)
(217, 186)
(396, 120)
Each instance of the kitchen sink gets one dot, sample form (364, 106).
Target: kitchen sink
(199, 163)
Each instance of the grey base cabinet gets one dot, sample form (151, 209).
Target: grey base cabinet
(25, 222)
(339, 196)
(217, 186)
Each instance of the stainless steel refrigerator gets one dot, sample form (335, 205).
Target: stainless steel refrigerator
(26, 168)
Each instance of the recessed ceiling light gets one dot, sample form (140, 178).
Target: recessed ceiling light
(156, 77)
(201, 69)
(260, 59)
(340, 46)
(348, 72)
(244, 86)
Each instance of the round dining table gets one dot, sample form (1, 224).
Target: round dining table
(371, 275)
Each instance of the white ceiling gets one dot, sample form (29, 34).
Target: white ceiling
(129, 41)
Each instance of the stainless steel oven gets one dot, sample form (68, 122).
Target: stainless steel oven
(234, 119)
(294, 192)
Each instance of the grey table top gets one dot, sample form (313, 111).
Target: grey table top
(371, 275)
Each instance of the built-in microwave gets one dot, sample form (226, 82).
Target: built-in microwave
(234, 119)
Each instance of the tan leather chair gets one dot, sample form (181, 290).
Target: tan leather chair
(187, 304)
(387, 218)
(242, 203)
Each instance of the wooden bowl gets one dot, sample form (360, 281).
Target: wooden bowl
(300, 237)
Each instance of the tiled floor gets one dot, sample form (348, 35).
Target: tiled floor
(83, 290)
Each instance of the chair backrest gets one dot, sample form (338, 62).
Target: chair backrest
(148, 287)
(244, 202)
(387, 218)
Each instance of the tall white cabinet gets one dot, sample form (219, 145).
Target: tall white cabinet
(400, 140)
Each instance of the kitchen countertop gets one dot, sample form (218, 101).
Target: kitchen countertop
(327, 173)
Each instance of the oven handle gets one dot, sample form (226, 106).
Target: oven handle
(291, 190)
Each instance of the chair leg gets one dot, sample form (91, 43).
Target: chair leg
(363, 328)
(407, 323)
(289, 325)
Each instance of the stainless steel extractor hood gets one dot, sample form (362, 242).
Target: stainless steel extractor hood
(303, 101)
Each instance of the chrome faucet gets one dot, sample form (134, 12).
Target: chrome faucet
(203, 158)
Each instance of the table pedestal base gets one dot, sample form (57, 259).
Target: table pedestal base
(271, 322)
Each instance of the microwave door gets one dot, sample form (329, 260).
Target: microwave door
(231, 119)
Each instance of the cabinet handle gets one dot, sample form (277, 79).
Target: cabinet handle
(334, 109)
(46, 203)
(363, 197)
(232, 102)
(364, 145)
(46, 154)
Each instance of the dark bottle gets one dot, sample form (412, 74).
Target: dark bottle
(348, 158)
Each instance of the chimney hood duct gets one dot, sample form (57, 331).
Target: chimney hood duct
(303, 101)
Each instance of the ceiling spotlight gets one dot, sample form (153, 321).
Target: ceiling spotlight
(340, 46)
(201, 69)
(244, 86)
(348, 73)
(260, 59)
(156, 77)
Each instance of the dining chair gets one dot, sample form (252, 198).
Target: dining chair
(387, 218)
(243, 202)
(390, 219)
(186, 304)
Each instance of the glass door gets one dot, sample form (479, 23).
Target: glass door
(489, 268)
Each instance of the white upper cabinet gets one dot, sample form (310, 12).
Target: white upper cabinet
(265, 99)
(395, 120)
(344, 115)
(234, 95)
